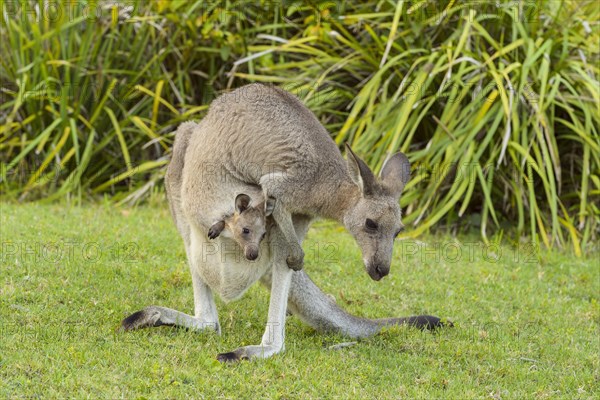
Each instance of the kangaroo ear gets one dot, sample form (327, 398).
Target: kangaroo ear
(360, 173)
(395, 173)
(269, 206)
(242, 201)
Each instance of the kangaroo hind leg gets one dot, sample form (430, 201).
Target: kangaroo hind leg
(205, 318)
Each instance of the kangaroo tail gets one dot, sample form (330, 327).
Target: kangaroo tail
(316, 309)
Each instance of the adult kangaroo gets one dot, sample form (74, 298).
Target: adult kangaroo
(262, 135)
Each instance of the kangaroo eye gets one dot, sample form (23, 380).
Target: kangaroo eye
(246, 231)
(263, 236)
(399, 231)
(370, 224)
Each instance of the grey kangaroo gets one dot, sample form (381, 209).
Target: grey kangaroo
(261, 135)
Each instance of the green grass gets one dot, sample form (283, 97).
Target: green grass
(526, 323)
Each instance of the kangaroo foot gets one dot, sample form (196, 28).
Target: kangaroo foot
(162, 316)
(232, 356)
(148, 317)
(249, 353)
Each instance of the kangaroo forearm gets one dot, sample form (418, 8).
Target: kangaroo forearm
(295, 254)
(284, 221)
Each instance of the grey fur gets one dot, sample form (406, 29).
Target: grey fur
(262, 140)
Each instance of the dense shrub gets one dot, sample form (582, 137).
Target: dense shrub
(496, 103)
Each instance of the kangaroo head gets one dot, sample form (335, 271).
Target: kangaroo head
(375, 218)
(248, 224)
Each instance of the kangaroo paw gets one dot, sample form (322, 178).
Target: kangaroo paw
(294, 263)
(295, 260)
(215, 230)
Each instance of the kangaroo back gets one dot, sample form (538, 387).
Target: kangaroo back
(174, 175)
(258, 130)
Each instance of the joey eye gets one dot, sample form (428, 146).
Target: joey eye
(371, 225)
(246, 231)
(399, 231)
(263, 236)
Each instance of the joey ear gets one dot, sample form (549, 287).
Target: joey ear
(269, 206)
(360, 173)
(395, 173)
(242, 201)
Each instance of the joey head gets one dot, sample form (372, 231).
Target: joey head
(247, 225)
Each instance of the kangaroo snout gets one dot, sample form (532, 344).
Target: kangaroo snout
(251, 252)
(378, 271)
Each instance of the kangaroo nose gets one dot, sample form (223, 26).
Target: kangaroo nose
(378, 272)
(251, 253)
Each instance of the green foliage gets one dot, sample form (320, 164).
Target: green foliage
(496, 104)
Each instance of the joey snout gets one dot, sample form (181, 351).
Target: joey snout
(251, 252)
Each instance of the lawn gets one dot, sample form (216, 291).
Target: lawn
(526, 323)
